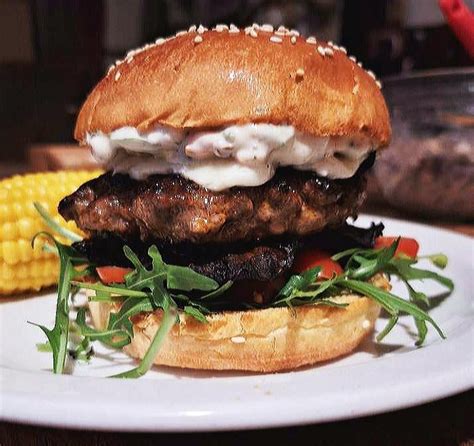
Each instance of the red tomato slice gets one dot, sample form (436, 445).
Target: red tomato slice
(112, 274)
(407, 246)
(314, 257)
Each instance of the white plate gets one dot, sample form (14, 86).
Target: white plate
(378, 378)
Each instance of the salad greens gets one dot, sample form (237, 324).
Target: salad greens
(173, 288)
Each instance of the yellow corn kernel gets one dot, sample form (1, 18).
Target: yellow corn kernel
(23, 267)
(30, 276)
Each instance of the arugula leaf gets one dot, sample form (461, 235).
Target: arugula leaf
(302, 293)
(363, 267)
(176, 277)
(118, 290)
(130, 308)
(44, 347)
(56, 227)
(58, 335)
(393, 305)
(108, 336)
(141, 278)
(144, 291)
(191, 307)
(416, 296)
(439, 260)
(388, 328)
(185, 279)
(323, 301)
(299, 282)
(195, 313)
(347, 253)
(216, 293)
(362, 264)
(317, 289)
(403, 267)
(83, 351)
(167, 322)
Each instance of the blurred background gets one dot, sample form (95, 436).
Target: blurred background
(52, 52)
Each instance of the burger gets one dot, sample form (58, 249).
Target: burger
(234, 158)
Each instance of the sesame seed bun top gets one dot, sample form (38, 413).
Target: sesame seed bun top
(214, 78)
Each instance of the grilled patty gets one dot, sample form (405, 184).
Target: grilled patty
(262, 261)
(172, 209)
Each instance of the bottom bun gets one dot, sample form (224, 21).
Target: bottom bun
(268, 340)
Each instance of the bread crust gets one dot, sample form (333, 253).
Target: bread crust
(236, 78)
(269, 340)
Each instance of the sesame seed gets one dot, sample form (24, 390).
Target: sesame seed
(181, 33)
(378, 83)
(129, 60)
(238, 339)
(341, 48)
(275, 39)
(299, 73)
(234, 29)
(329, 52)
(360, 64)
(280, 33)
(160, 41)
(219, 28)
(201, 29)
(330, 43)
(283, 29)
(312, 40)
(247, 30)
(255, 26)
(366, 324)
(139, 50)
(295, 32)
(198, 39)
(321, 51)
(267, 28)
(371, 74)
(110, 69)
(293, 39)
(117, 76)
(353, 59)
(253, 33)
(192, 29)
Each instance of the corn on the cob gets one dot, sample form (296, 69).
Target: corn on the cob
(23, 268)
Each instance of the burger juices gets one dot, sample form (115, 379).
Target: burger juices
(234, 159)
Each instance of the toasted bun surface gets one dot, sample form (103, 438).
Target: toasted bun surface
(216, 79)
(269, 340)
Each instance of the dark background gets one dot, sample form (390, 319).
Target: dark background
(52, 52)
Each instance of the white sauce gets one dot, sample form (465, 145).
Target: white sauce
(245, 155)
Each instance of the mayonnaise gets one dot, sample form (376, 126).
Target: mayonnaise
(245, 155)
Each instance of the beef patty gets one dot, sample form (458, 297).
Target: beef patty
(173, 209)
(262, 261)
